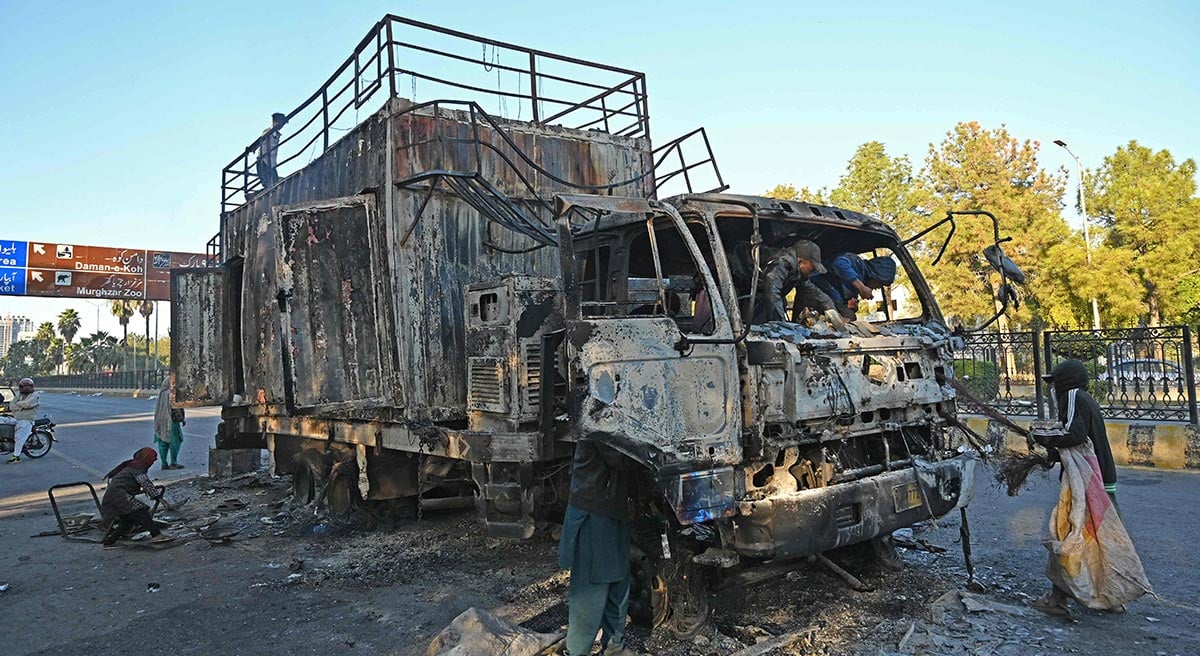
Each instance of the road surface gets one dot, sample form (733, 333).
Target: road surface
(389, 592)
(93, 435)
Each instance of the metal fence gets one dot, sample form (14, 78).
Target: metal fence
(149, 379)
(1136, 373)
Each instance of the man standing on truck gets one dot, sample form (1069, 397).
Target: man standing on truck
(24, 410)
(850, 278)
(595, 543)
(268, 148)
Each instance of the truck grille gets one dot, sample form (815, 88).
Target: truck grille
(485, 385)
(533, 376)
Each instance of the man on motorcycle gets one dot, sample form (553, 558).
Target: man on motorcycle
(24, 410)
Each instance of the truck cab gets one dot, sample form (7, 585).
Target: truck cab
(777, 440)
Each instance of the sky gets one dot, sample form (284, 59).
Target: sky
(119, 116)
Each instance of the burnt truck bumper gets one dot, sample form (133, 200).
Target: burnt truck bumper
(813, 521)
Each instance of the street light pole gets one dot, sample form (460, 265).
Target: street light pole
(1087, 240)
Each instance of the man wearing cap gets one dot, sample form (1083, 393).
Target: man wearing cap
(24, 411)
(268, 147)
(788, 270)
(851, 277)
(1081, 419)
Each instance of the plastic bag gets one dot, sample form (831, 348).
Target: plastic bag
(1091, 555)
(477, 632)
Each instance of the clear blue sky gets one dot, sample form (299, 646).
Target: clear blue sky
(119, 116)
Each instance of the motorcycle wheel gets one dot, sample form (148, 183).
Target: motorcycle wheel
(38, 444)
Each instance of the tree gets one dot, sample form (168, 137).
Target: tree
(974, 168)
(55, 353)
(1147, 202)
(789, 192)
(123, 311)
(68, 324)
(24, 358)
(45, 334)
(146, 308)
(77, 357)
(100, 351)
(881, 186)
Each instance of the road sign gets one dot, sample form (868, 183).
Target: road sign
(158, 276)
(13, 253)
(12, 281)
(86, 258)
(84, 284)
(38, 268)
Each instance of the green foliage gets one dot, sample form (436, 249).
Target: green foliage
(1144, 248)
(976, 168)
(789, 192)
(980, 376)
(68, 324)
(1147, 203)
(880, 186)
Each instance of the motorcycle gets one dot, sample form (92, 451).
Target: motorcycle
(38, 444)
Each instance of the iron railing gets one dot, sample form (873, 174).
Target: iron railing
(1136, 373)
(694, 153)
(146, 379)
(553, 89)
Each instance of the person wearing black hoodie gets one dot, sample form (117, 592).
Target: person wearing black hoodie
(1080, 415)
(1082, 420)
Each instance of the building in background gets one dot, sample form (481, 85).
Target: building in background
(11, 328)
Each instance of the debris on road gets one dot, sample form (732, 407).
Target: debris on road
(480, 633)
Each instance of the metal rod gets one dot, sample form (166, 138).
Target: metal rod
(1046, 360)
(1189, 374)
(964, 532)
(1038, 397)
(533, 86)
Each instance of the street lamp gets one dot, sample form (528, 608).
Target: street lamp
(1087, 241)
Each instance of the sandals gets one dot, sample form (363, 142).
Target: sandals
(1049, 605)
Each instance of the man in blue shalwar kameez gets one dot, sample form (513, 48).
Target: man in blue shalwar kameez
(595, 547)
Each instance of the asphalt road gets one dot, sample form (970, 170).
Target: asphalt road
(93, 435)
(1161, 511)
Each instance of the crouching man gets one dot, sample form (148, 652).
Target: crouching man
(595, 546)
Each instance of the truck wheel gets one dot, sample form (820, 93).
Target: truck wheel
(648, 604)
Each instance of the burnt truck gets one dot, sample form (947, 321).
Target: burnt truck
(433, 303)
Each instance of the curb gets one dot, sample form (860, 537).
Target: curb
(1137, 444)
(85, 391)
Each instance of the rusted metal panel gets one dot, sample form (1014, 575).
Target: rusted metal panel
(262, 364)
(333, 322)
(354, 163)
(568, 161)
(200, 367)
(445, 252)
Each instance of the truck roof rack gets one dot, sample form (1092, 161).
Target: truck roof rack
(547, 88)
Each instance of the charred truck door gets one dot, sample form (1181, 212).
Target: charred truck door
(335, 334)
(635, 284)
(201, 317)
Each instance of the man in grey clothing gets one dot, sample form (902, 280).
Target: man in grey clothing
(268, 148)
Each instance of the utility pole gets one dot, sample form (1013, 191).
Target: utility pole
(1087, 240)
